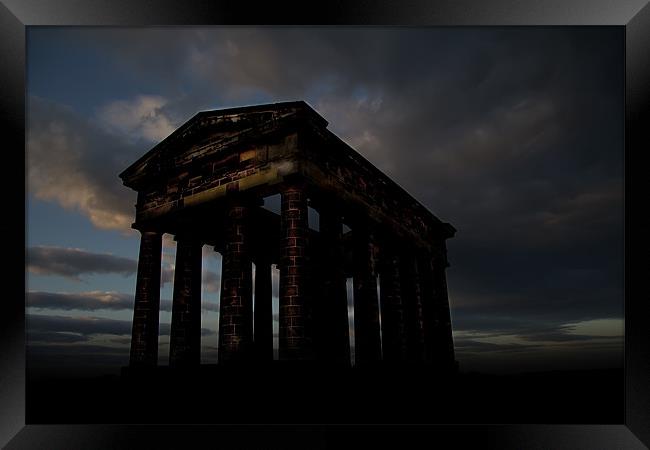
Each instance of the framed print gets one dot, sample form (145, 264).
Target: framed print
(367, 226)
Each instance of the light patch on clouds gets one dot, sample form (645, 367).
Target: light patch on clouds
(166, 274)
(139, 118)
(93, 301)
(87, 301)
(92, 326)
(168, 258)
(505, 339)
(357, 122)
(211, 281)
(60, 181)
(598, 328)
(551, 344)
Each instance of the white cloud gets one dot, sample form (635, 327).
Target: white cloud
(72, 163)
(141, 117)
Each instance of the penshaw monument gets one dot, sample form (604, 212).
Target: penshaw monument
(205, 184)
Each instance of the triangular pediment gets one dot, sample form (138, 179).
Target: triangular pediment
(212, 129)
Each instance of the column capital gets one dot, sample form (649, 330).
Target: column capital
(295, 180)
(389, 242)
(367, 225)
(187, 236)
(148, 227)
(327, 203)
(448, 230)
(439, 258)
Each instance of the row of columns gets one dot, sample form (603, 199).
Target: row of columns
(313, 319)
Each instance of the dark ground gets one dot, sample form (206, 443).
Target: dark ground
(285, 394)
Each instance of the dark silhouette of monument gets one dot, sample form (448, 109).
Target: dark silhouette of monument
(205, 184)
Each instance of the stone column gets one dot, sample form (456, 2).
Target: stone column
(236, 310)
(367, 341)
(295, 340)
(331, 325)
(392, 310)
(429, 307)
(144, 340)
(263, 336)
(413, 314)
(185, 339)
(444, 344)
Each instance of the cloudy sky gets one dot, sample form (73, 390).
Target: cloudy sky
(513, 135)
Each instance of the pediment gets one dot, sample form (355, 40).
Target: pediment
(208, 131)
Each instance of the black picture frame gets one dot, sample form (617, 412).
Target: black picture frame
(15, 15)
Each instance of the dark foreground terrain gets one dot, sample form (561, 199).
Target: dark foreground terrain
(286, 394)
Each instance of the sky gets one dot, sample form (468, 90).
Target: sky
(513, 135)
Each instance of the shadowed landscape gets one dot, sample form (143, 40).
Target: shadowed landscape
(318, 395)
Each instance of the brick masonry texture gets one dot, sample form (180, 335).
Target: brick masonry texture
(295, 339)
(144, 340)
(185, 339)
(236, 310)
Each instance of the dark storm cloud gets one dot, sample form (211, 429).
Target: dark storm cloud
(71, 359)
(84, 301)
(73, 262)
(93, 300)
(55, 337)
(211, 281)
(563, 336)
(87, 326)
(166, 275)
(529, 329)
(121, 340)
(83, 326)
(513, 358)
(472, 346)
(512, 135)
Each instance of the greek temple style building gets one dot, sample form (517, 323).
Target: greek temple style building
(205, 184)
